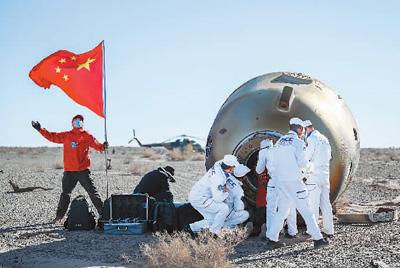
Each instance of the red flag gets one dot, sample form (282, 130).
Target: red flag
(78, 75)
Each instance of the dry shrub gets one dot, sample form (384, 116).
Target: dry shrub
(24, 150)
(198, 157)
(136, 169)
(176, 155)
(38, 151)
(151, 154)
(184, 154)
(179, 250)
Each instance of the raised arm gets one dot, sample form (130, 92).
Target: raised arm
(261, 163)
(56, 137)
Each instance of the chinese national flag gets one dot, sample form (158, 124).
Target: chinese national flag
(80, 76)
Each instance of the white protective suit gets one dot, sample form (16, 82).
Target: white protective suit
(237, 213)
(319, 155)
(207, 197)
(265, 160)
(289, 159)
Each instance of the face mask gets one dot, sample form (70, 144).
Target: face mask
(77, 123)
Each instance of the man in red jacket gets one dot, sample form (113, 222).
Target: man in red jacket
(76, 143)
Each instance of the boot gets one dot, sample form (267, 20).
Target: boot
(274, 244)
(320, 243)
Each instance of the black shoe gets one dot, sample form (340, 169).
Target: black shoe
(325, 235)
(274, 244)
(287, 235)
(187, 229)
(320, 243)
(307, 235)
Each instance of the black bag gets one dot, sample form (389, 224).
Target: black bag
(164, 217)
(79, 216)
(187, 214)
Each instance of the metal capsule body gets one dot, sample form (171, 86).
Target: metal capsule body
(261, 108)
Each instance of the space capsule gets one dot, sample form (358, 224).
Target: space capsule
(261, 109)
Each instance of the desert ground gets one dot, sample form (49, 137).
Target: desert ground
(28, 239)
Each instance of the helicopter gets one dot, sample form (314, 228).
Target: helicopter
(178, 142)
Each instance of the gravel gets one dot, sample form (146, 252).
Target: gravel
(28, 239)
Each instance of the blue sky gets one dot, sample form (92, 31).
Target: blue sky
(171, 64)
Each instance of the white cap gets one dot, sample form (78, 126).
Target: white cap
(240, 171)
(296, 121)
(230, 160)
(266, 144)
(307, 123)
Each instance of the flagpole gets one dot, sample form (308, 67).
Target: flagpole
(105, 110)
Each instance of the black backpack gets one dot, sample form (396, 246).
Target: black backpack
(79, 216)
(164, 217)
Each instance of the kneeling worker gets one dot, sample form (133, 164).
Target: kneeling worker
(208, 194)
(155, 184)
(237, 213)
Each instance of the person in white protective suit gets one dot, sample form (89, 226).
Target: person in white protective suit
(318, 153)
(237, 213)
(265, 161)
(289, 160)
(208, 194)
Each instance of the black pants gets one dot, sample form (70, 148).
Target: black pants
(69, 181)
(258, 220)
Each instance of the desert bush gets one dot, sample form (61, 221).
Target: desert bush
(151, 154)
(136, 169)
(198, 157)
(176, 155)
(38, 151)
(184, 154)
(180, 250)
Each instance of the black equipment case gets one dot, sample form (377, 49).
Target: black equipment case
(128, 214)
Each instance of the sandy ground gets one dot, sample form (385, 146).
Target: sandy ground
(27, 239)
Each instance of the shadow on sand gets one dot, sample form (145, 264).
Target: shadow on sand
(48, 245)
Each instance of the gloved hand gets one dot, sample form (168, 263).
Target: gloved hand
(105, 145)
(36, 125)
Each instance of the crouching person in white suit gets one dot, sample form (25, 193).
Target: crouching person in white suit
(237, 213)
(208, 194)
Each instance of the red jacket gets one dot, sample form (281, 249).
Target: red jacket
(261, 194)
(76, 147)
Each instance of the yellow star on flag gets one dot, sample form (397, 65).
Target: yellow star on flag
(65, 77)
(86, 65)
(62, 61)
(58, 69)
(73, 58)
